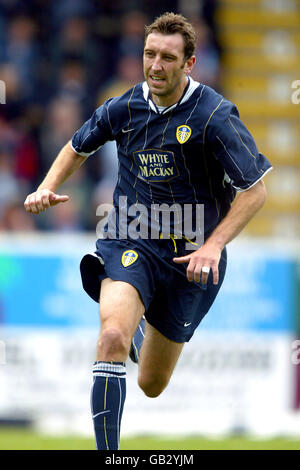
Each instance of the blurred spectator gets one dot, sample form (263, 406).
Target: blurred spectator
(62, 119)
(2, 28)
(64, 9)
(12, 214)
(72, 84)
(21, 50)
(129, 72)
(107, 33)
(18, 170)
(14, 218)
(26, 161)
(74, 44)
(20, 152)
(208, 13)
(207, 67)
(132, 34)
(10, 191)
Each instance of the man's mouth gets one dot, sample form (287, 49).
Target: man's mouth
(158, 80)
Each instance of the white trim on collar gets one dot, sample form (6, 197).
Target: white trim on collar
(191, 88)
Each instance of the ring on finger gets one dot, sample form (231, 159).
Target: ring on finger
(205, 269)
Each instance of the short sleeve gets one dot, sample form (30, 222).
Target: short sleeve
(94, 133)
(235, 148)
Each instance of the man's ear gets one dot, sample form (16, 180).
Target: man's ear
(189, 64)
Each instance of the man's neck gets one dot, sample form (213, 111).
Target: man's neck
(167, 101)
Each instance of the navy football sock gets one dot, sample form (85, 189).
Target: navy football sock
(107, 401)
(137, 341)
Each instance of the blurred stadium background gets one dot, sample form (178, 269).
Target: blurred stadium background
(239, 376)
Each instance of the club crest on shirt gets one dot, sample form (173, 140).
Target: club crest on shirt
(183, 133)
(129, 257)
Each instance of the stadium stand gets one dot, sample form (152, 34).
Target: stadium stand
(261, 45)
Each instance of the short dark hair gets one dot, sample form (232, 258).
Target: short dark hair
(171, 23)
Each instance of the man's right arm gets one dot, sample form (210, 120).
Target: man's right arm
(65, 164)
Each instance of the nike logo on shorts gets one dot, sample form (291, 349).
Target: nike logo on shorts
(187, 324)
(127, 130)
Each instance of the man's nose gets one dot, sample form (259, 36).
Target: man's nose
(156, 65)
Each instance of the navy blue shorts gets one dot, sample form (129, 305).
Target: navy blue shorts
(173, 305)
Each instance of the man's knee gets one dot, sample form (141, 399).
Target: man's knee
(113, 343)
(153, 386)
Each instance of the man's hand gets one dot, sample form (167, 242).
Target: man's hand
(42, 199)
(244, 208)
(208, 256)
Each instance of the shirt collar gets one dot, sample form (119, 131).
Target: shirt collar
(189, 90)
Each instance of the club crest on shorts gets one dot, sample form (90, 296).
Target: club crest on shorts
(129, 257)
(183, 133)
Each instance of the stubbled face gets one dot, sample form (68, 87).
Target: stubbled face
(165, 68)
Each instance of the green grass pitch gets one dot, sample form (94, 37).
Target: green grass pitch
(23, 439)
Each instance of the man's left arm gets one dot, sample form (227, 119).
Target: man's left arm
(246, 205)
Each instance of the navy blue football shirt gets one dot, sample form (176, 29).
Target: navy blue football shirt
(196, 151)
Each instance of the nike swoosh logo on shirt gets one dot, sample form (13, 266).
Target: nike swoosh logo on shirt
(101, 413)
(187, 324)
(127, 130)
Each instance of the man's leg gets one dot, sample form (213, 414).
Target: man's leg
(137, 341)
(120, 312)
(158, 358)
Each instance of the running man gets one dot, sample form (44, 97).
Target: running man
(180, 144)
